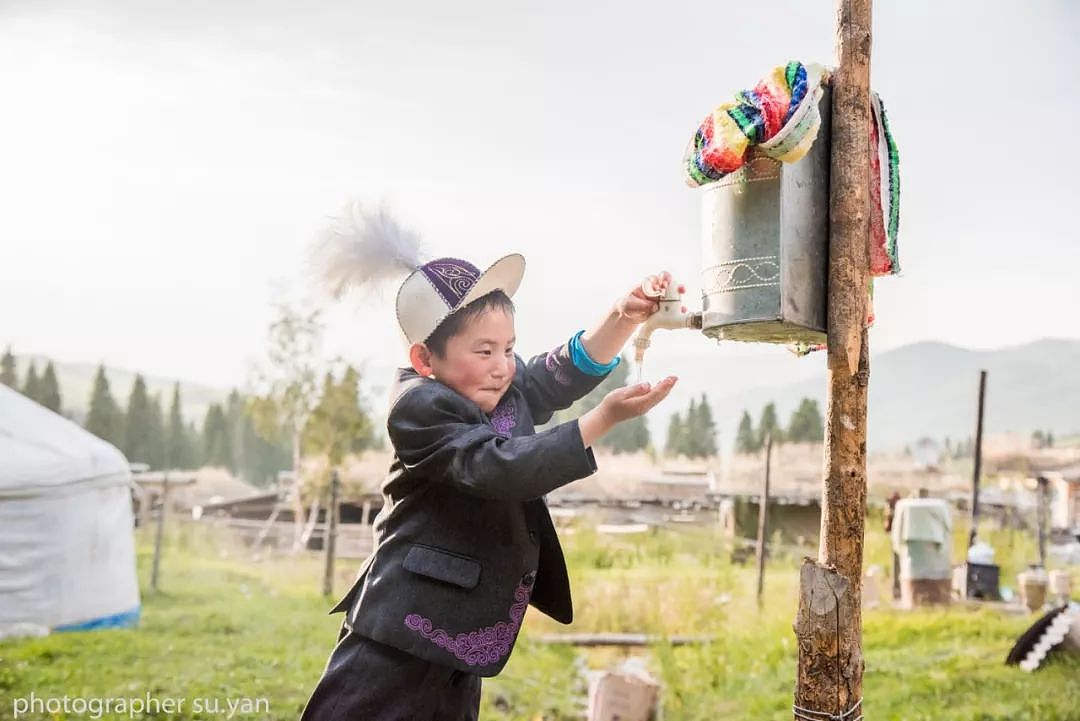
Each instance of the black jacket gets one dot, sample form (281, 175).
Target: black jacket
(464, 541)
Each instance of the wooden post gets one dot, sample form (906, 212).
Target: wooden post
(1041, 512)
(331, 535)
(977, 473)
(763, 521)
(829, 622)
(160, 532)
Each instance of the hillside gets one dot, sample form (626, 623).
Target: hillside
(923, 389)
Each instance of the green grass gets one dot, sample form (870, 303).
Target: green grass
(226, 627)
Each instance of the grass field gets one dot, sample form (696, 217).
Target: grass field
(248, 639)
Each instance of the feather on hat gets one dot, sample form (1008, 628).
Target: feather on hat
(364, 246)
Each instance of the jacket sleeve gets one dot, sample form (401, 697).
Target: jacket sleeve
(551, 382)
(438, 436)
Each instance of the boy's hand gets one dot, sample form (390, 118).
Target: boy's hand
(638, 304)
(620, 405)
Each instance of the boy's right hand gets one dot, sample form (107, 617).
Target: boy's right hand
(620, 405)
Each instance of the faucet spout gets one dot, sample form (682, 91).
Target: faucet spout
(672, 315)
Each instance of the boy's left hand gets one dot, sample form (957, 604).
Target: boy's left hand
(638, 305)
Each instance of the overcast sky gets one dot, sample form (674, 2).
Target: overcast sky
(164, 165)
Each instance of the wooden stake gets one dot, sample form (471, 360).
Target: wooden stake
(763, 521)
(975, 476)
(160, 531)
(1041, 512)
(829, 624)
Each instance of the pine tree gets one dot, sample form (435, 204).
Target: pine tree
(155, 434)
(706, 431)
(691, 438)
(261, 460)
(104, 418)
(139, 427)
(235, 409)
(195, 445)
(806, 425)
(216, 447)
(50, 389)
(32, 386)
(8, 374)
(769, 425)
(675, 436)
(178, 448)
(746, 441)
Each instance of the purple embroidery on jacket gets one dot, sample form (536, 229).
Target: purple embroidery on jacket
(482, 647)
(556, 365)
(452, 278)
(504, 418)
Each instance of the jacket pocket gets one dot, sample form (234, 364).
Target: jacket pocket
(443, 565)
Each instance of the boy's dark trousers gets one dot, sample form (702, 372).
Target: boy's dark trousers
(365, 680)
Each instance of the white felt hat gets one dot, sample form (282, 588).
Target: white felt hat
(438, 288)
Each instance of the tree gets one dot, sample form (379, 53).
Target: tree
(138, 431)
(338, 425)
(675, 442)
(704, 431)
(289, 391)
(155, 435)
(217, 449)
(235, 411)
(104, 418)
(8, 374)
(261, 460)
(769, 425)
(32, 384)
(688, 443)
(194, 443)
(746, 441)
(50, 389)
(179, 451)
(806, 425)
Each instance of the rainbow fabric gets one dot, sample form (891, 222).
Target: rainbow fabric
(780, 117)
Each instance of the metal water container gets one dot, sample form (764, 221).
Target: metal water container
(766, 248)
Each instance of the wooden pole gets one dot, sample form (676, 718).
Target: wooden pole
(160, 532)
(331, 534)
(1041, 512)
(829, 622)
(763, 521)
(977, 473)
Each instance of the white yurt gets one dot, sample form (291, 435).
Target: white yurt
(67, 547)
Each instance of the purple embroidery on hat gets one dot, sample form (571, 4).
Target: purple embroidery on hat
(504, 417)
(556, 365)
(452, 278)
(482, 647)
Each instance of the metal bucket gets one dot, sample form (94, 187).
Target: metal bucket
(766, 248)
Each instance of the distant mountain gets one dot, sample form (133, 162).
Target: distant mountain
(77, 380)
(923, 389)
(931, 389)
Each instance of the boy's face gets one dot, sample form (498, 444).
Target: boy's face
(479, 361)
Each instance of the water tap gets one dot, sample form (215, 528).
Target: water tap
(672, 314)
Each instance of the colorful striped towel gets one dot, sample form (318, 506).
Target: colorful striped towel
(780, 117)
